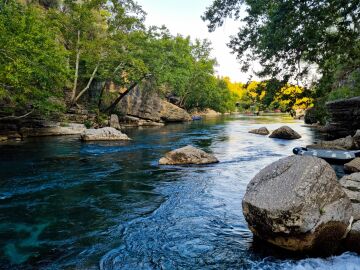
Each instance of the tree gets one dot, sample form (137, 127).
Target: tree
(287, 36)
(33, 68)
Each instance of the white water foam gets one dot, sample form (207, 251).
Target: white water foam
(346, 261)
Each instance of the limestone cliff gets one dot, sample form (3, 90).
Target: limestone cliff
(344, 117)
(145, 103)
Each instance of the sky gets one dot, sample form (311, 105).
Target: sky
(183, 17)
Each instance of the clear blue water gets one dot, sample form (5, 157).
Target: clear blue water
(71, 205)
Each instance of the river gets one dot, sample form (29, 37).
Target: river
(72, 205)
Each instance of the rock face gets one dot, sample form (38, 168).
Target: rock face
(346, 143)
(103, 134)
(114, 121)
(286, 133)
(297, 204)
(344, 117)
(353, 166)
(260, 131)
(144, 103)
(187, 155)
(310, 116)
(351, 186)
(172, 113)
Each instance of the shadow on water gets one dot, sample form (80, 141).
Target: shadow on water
(72, 205)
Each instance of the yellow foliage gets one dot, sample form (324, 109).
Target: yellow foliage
(287, 97)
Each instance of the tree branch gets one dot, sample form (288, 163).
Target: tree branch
(76, 67)
(16, 117)
(88, 84)
(119, 98)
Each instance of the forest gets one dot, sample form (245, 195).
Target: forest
(54, 52)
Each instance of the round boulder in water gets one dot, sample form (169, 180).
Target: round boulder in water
(296, 203)
(286, 133)
(187, 155)
(260, 131)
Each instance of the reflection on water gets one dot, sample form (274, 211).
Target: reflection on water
(66, 204)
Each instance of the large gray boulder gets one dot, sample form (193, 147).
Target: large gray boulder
(103, 134)
(351, 186)
(286, 133)
(187, 155)
(260, 131)
(296, 203)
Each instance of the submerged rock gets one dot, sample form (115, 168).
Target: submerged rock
(346, 143)
(353, 165)
(286, 133)
(297, 204)
(187, 155)
(260, 131)
(103, 134)
(351, 186)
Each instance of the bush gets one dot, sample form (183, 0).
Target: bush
(341, 93)
(88, 124)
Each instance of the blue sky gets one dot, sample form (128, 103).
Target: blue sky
(183, 17)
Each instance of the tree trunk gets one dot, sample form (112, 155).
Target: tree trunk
(101, 93)
(73, 95)
(88, 84)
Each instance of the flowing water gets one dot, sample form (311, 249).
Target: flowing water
(72, 205)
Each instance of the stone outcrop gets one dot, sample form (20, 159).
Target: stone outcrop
(187, 155)
(344, 117)
(53, 129)
(103, 134)
(172, 113)
(144, 103)
(297, 204)
(131, 121)
(114, 121)
(286, 133)
(352, 166)
(260, 131)
(346, 143)
(351, 186)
